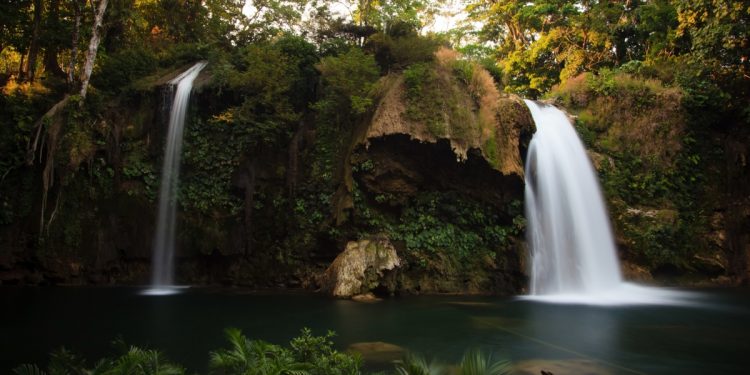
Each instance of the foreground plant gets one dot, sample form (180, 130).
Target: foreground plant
(415, 364)
(132, 361)
(474, 362)
(305, 355)
(308, 355)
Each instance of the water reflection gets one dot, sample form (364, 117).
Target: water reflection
(562, 332)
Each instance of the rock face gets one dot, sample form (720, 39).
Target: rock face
(468, 145)
(269, 237)
(361, 268)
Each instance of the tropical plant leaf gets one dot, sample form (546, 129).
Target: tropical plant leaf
(417, 365)
(28, 369)
(475, 362)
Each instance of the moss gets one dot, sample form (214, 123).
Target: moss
(436, 98)
(491, 152)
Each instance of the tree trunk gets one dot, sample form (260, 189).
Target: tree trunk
(34, 46)
(51, 66)
(78, 8)
(88, 66)
(21, 73)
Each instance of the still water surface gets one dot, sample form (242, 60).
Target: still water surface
(710, 338)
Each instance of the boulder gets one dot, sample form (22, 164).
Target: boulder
(362, 267)
(366, 298)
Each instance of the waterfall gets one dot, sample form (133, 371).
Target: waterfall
(162, 277)
(573, 253)
(569, 231)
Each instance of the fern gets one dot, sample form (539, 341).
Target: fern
(28, 369)
(474, 362)
(417, 365)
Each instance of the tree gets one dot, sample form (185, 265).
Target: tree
(88, 65)
(349, 79)
(382, 14)
(718, 31)
(53, 39)
(78, 6)
(34, 45)
(541, 43)
(268, 18)
(14, 27)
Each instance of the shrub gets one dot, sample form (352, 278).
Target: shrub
(132, 360)
(632, 115)
(397, 53)
(349, 79)
(115, 72)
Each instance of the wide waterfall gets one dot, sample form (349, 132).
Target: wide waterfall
(573, 253)
(162, 277)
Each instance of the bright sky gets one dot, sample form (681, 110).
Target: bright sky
(449, 17)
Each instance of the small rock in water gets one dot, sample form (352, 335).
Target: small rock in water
(560, 367)
(366, 297)
(377, 351)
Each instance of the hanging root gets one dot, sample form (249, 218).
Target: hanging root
(51, 115)
(48, 174)
(53, 215)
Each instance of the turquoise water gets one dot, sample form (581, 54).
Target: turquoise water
(708, 338)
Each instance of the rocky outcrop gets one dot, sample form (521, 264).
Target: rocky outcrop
(363, 266)
(477, 149)
(498, 126)
(468, 143)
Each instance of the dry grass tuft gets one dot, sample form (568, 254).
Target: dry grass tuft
(446, 56)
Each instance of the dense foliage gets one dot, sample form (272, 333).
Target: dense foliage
(542, 43)
(656, 85)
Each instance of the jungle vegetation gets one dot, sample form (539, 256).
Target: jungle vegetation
(281, 68)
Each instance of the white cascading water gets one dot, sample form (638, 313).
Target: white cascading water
(162, 277)
(573, 253)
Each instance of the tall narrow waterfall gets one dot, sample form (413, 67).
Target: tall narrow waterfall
(162, 277)
(573, 254)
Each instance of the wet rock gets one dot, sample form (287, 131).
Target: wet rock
(634, 272)
(377, 352)
(362, 267)
(560, 367)
(366, 298)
